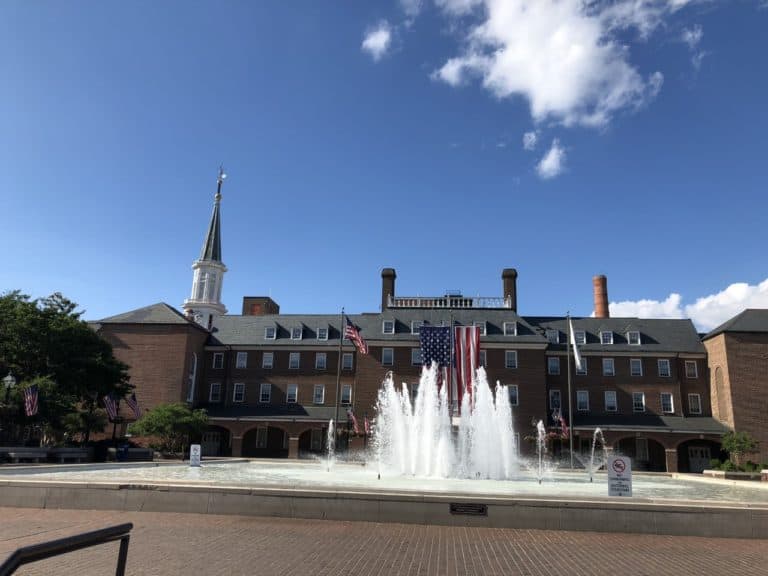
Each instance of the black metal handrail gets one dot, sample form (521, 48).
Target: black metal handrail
(45, 550)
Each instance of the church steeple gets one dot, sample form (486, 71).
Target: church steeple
(204, 303)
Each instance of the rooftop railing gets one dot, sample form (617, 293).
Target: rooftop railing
(449, 302)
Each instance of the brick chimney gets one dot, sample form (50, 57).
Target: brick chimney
(387, 286)
(509, 281)
(600, 288)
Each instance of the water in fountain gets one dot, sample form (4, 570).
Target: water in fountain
(331, 445)
(417, 439)
(541, 448)
(595, 466)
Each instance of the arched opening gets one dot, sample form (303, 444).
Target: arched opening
(694, 455)
(313, 442)
(646, 453)
(265, 442)
(215, 442)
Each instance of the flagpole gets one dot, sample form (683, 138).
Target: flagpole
(570, 404)
(338, 373)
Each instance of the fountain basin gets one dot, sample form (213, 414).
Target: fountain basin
(662, 505)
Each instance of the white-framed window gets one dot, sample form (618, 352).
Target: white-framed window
(633, 337)
(638, 402)
(268, 360)
(480, 324)
(664, 371)
(320, 361)
(606, 337)
(553, 365)
(583, 370)
(582, 400)
(387, 356)
(415, 356)
(636, 366)
(514, 399)
(416, 326)
(270, 333)
(294, 359)
(265, 393)
(510, 359)
(292, 394)
(608, 368)
(241, 360)
(481, 358)
(318, 394)
(297, 332)
(214, 394)
(667, 404)
(346, 394)
(238, 392)
(347, 360)
(691, 369)
(322, 333)
(694, 403)
(388, 327)
(555, 401)
(261, 438)
(553, 336)
(218, 360)
(580, 336)
(510, 328)
(610, 401)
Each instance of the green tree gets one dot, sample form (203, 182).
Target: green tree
(173, 424)
(739, 443)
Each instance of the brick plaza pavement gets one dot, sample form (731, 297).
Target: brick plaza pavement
(169, 543)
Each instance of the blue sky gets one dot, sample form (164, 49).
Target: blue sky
(362, 135)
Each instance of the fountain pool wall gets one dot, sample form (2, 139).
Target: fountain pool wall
(352, 493)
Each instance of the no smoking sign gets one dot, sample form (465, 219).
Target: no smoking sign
(619, 476)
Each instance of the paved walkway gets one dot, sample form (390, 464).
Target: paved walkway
(205, 544)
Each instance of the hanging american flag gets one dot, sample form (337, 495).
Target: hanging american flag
(351, 416)
(30, 400)
(436, 347)
(466, 359)
(353, 334)
(134, 404)
(110, 405)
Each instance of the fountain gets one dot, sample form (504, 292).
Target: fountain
(330, 442)
(604, 460)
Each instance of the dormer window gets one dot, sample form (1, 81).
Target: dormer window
(416, 326)
(633, 337)
(510, 328)
(270, 333)
(296, 333)
(388, 327)
(480, 324)
(553, 336)
(606, 337)
(322, 333)
(580, 336)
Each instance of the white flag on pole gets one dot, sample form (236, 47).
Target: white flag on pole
(576, 355)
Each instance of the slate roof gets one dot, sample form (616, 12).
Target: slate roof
(160, 313)
(212, 245)
(751, 320)
(278, 411)
(650, 422)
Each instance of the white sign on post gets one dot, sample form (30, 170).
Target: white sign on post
(619, 476)
(194, 455)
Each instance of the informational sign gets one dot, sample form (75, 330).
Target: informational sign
(194, 455)
(619, 476)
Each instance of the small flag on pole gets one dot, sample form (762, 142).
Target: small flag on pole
(353, 334)
(351, 416)
(134, 404)
(111, 407)
(30, 400)
(576, 354)
(367, 424)
(564, 427)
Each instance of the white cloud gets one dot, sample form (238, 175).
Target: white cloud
(553, 162)
(561, 56)
(411, 7)
(692, 37)
(378, 40)
(707, 312)
(530, 139)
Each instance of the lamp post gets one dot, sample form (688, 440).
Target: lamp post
(9, 382)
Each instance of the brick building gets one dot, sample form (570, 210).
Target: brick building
(269, 380)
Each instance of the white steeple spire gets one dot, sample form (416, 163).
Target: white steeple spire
(204, 304)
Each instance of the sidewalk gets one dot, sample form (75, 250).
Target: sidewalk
(206, 544)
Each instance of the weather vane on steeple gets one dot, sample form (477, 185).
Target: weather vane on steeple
(220, 180)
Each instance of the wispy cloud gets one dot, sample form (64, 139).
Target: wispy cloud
(530, 139)
(707, 312)
(378, 40)
(411, 7)
(553, 162)
(692, 38)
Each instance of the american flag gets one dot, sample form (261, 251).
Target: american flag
(134, 404)
(351, 416)
(111, 407)
(436, 347)
(367, 426)
(30, 400)
(466, 359)
(564, 427)
(353, 334)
